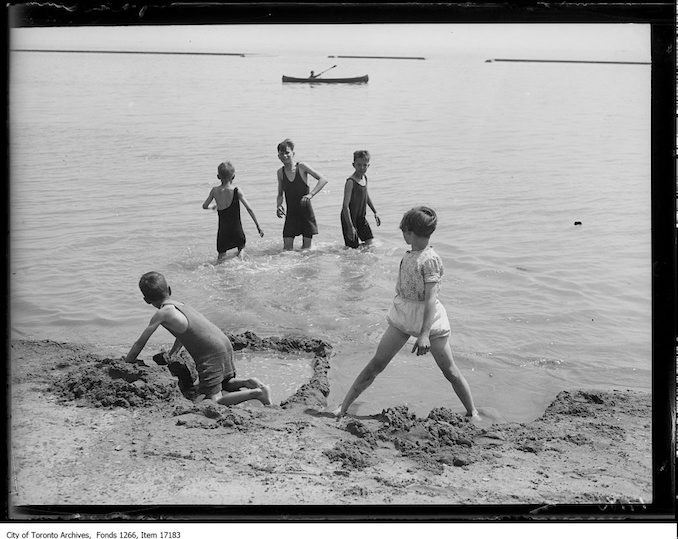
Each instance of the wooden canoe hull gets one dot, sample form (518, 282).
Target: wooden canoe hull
(346, 80)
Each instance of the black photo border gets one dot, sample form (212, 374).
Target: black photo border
(661, 18)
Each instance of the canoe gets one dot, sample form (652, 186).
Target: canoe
(349, 80)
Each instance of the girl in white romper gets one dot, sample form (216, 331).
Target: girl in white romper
(416, 312)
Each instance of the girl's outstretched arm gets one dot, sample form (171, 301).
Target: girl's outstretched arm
(250, 211)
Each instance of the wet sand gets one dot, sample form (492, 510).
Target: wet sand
(88, 429)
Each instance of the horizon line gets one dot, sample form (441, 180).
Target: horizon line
(241, 54)
(490, 60)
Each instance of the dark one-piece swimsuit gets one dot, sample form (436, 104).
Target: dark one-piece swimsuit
(357, 207)
(230, 233)
(300, 220)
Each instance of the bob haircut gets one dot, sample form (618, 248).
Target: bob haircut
(361, 154)
(421, 220)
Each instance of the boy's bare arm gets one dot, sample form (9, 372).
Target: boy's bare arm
(374, 210)
(242, 198)
(139, 344)
(370, 204)
(322, 182)
(348, 189)
(280, 212)
(175, 348)
(210, 198)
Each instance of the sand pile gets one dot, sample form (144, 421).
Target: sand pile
(443, 437)
(112, 382)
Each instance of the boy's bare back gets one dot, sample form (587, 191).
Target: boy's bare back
(223, 196)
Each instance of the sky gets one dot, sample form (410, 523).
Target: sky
(617, 42)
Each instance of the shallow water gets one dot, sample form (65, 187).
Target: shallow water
(112, 156)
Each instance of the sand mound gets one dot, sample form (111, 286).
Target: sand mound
(288, 345)
(442, 438)
(354, 455)
(112, 382)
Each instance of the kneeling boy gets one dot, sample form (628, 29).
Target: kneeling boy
(209, 347)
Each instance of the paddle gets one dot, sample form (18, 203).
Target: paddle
(316, 76)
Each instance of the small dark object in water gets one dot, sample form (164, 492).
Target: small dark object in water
(577, 223)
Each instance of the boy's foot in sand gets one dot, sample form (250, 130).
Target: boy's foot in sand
(265, 395)
(256, 383)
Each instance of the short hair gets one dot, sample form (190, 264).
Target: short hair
(361, 154)
(153, 286)
(287, 143)
(226, 170)
(421, 220)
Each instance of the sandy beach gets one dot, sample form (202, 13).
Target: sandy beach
(88, 429)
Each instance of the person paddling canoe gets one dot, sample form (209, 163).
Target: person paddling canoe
(314, 76)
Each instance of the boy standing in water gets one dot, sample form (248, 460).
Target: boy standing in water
(416, 312)
(209, 347)
(293, 183)
(230, 234)
(354, 225)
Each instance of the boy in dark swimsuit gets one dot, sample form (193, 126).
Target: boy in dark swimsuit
(354, 225)
(293, 184)
(209, 347)
(230, 234)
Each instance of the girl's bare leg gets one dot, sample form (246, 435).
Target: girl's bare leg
(442, 353)
(391, 341)
(306, 244)
(288, 244)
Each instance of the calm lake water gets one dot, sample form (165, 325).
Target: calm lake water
(112, 156)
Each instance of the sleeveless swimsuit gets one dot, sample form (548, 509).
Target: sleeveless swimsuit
(230, 233)
(357, 207)
(300, 220)
(209, 347)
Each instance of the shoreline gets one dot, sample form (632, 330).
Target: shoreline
(102, 433)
